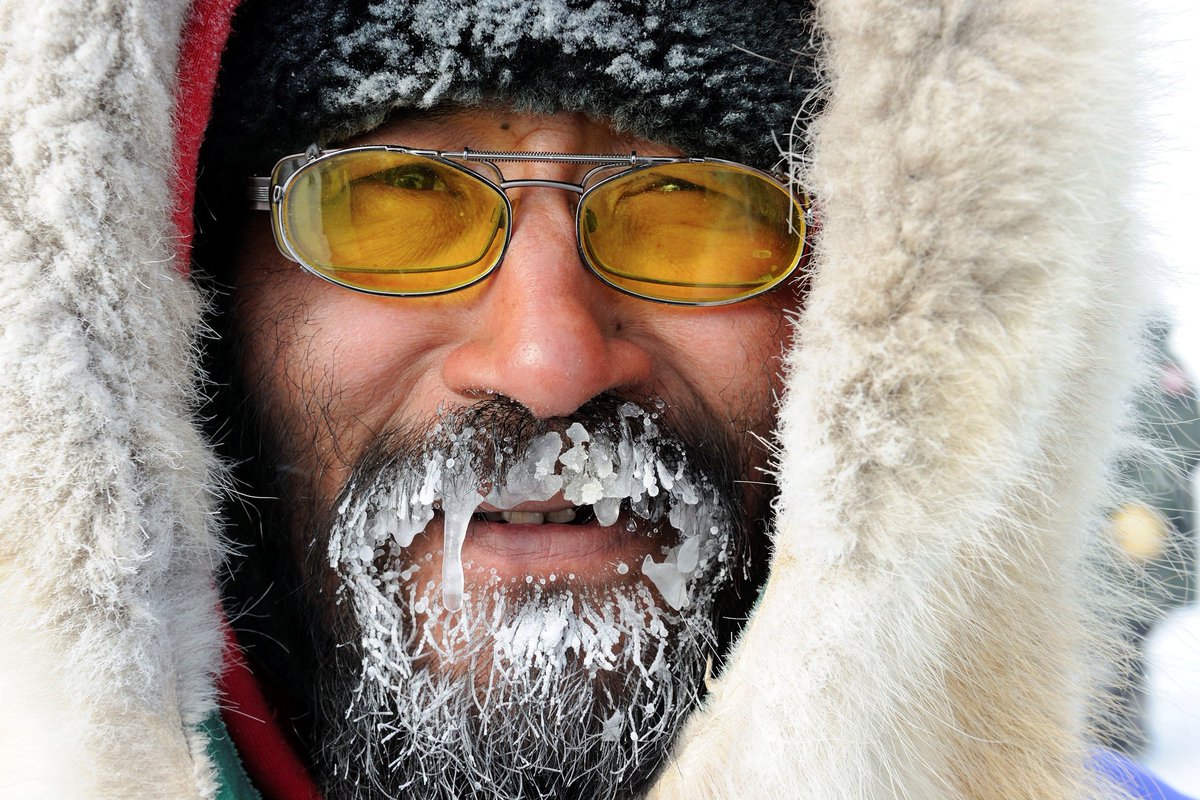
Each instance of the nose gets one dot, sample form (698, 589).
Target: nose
(546, 333)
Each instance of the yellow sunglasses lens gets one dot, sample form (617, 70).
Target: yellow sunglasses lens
(393, 223)
(692, 232)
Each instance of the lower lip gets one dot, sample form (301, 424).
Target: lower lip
(588, 551)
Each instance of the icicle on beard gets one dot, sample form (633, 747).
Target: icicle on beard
(527, 690)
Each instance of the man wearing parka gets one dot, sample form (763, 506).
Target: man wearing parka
(922, 411)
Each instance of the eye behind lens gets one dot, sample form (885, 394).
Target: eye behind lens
(692, 232)
(391, 222)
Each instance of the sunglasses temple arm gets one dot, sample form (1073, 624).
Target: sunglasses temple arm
(258, 193)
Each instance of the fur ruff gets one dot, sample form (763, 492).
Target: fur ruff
(957, 382)
(107, 534)
(927, 631)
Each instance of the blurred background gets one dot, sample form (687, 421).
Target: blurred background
(1168, 738)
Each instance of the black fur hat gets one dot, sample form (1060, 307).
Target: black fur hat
(726, 78)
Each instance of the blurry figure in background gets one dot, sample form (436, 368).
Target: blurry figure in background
(1157, 530)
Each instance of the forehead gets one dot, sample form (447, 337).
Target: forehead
(489, 128)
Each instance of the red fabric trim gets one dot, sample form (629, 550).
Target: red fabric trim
(204, 36)
(265, 749)
(271, 761)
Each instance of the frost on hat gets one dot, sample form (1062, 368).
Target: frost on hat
(711, 77)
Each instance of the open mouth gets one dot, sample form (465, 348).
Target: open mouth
(653, 511)
(526, 545)
(576, 515)
(616, 489)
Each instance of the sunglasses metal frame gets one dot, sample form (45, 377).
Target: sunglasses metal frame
(267, 193)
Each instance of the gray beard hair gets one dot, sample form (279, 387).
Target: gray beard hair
(549, 723)
(536, 689)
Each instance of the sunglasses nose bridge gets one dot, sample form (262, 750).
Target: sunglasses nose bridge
(542, 183)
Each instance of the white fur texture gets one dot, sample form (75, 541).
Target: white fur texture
(955, 390)
(107, 545)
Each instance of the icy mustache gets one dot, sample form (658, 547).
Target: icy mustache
(624, 463)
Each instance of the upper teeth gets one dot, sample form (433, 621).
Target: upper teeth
(531, 517)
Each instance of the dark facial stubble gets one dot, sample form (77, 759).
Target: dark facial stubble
(282, 594)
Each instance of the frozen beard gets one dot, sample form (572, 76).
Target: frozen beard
(472, 681)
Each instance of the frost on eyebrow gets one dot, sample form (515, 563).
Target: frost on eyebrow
(626, 464)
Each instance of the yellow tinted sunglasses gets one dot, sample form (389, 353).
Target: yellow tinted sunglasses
(400, 221)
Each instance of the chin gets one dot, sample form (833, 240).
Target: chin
(528, 690)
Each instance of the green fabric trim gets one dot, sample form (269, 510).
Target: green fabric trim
(232, 781)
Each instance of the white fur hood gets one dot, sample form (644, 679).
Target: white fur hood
(956, 389)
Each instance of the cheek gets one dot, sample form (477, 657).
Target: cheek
(730, 359)
(330, 367)
(354, 369)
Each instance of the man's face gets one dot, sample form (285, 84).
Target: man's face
(540, 369)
